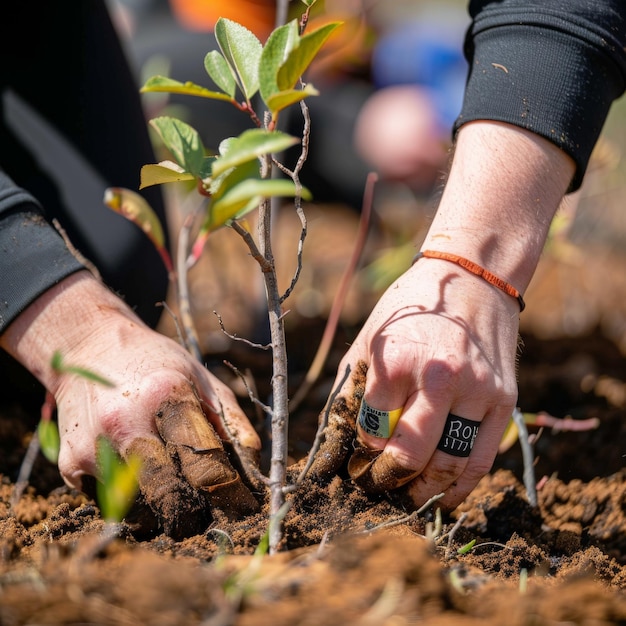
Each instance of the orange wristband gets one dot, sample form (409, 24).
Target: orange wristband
(472, 267)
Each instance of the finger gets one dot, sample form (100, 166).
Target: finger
(178, 509)
(342, 414)
(203, 461)
(478, 463)
(76, 461)
(423, 441)
(407, 448)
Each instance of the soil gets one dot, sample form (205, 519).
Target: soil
(349, 558)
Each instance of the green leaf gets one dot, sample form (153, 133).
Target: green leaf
(301, 56)
(242, 51)
(232, 177)
(169, 85)
(118, 481)
(467, 547)
(59, 366)
(275, 52)
(250, 145)
(135, 208)
(219, 71)
(246, 195)
(282, 99)
(49, 440)
(159, 174)
(183, 142)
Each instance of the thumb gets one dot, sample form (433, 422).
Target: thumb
(203, 460)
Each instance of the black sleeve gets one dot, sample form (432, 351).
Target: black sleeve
(553, 67)
(71, 125)
(33, 256)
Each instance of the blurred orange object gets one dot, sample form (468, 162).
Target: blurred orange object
(201, 15)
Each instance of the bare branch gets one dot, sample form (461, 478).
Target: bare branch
(179, 331)
(251, 395)
(252, 344)
(294, 175)
(254, 250)
(77, 254)
(252, 472)
(527, 456)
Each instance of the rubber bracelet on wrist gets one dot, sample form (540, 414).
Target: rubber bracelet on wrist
(472, 267)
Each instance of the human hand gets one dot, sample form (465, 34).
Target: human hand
(163, 407)
(440, 341)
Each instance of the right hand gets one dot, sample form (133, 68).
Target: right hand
(439, 341)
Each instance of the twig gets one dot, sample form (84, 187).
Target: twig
(191, 336)
(254, 250)
(78, 255)
(319, 435)
(47, 410)
(453, 531)
(25, 469)
(527, 456)
(340, 297)
(294, 175)
(253, 398)
(252, 472)
(252, 344)
(179, 331)
(406, 518)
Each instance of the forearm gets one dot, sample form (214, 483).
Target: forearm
(504, 187)
(62, 319)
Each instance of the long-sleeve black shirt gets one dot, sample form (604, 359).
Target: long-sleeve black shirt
(64, 63)
(550, 66)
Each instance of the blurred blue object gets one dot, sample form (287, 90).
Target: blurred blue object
(426, 53)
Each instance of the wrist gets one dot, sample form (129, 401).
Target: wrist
(504, 188)
(64, 318)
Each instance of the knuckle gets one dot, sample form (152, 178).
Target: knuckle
(477, 468)
(408, 460)
(443, 472)
(441, 377)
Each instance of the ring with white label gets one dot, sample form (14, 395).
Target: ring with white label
(458, 436)
(376, 422)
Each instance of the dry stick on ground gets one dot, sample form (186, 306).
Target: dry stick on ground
(340, 297)
(47, 410)
(452, 532)
(405, 519)
(527, 456)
